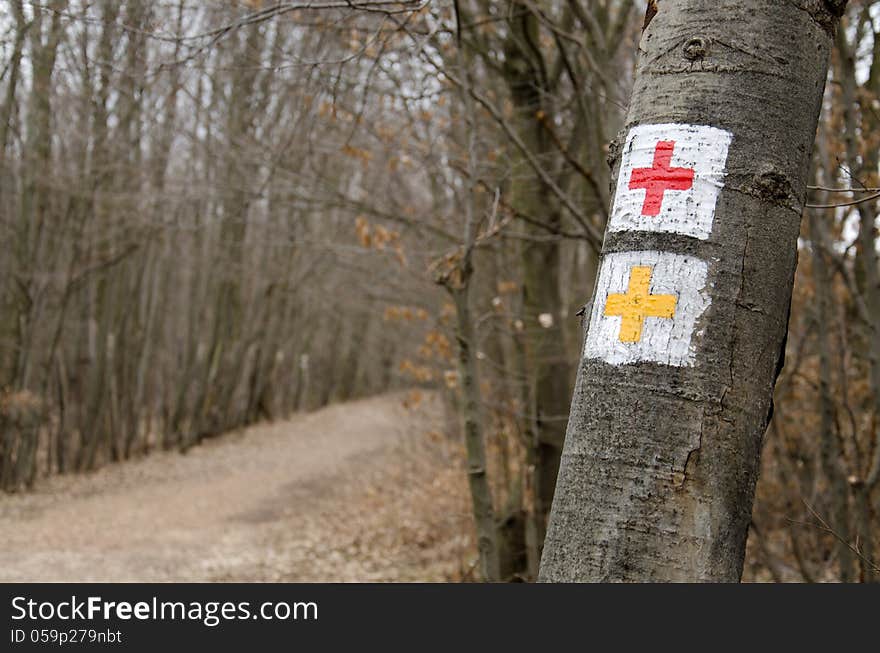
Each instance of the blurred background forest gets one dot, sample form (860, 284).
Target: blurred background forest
(220, 213)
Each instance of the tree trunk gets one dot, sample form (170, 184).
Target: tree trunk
(662, 449)
(549, 371)
(481, 493)
(829, 443)
(860, 162)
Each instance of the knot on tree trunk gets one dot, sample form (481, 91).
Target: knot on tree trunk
(613, 149)
(771, 185)
(824, 12)
(696, 49)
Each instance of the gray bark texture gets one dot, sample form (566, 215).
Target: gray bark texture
(660, 463)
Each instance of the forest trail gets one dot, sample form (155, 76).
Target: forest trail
(315, 497)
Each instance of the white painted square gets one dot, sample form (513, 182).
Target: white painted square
(663, 340)
(687, 211)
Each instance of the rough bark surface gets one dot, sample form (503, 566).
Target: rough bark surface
(660, 462)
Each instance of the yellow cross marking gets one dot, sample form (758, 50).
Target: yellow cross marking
(637, 304)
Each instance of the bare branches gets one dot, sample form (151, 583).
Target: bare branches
(825, 527)
(590, 230)
(861, 200)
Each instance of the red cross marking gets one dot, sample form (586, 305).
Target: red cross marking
(660, 178)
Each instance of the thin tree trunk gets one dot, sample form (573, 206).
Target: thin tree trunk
(457, 280)
(829, 443)
(867, 257)
(481, 494)
(548, 366)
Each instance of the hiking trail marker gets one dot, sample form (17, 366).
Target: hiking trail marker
(637, 304)
(647, 304)
(646, 308)
(670, 178)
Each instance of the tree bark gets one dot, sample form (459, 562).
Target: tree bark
(660, 462)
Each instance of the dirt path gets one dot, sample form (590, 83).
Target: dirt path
(276, 502)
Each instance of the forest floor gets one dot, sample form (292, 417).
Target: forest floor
(364, 491)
